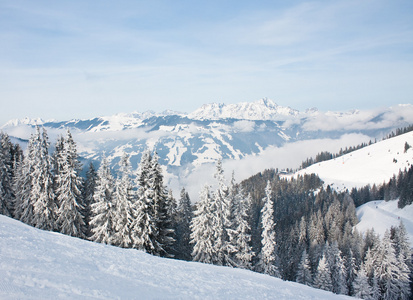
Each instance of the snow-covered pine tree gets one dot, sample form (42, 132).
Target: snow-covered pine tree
(184, 214)
(386, 268)
(42, 194)
(103, 210)
(304, 270)
(163, 221)
(152, 227)
(68, 184)
(221, 213)
(202, 235)
(337, 268)
(268, 260)
(322, 278)
(171, 213)
(240, 237)
(123, 198)
(361, 286)
(351, 271)
(6, 176)
(144, 230)
(403, 257)
(87, 195)
(23, 184)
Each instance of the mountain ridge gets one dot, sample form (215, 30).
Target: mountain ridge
(186, 142)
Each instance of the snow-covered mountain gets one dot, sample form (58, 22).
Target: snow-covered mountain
(264, 109)
(36, 264)
(188, 142)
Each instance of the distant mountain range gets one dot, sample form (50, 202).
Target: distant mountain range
(185, 142)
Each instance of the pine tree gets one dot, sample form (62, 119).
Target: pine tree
(221, 212)
(163, 221)
(361, 286)
(87, 196)
(6, 176)
(103, 210)
(23, 184)
(144, 230)
(351, 270)
(42, 194)
(268, 256)
(322, 278)
(202, 235)
(241, 235)
(386, 269)
(123, 198)
(337, 269)
(183, 230)
(152, 227)
(304, 271)
(68, 185)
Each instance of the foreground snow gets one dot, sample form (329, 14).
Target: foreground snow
(35, 264)
(381, 215)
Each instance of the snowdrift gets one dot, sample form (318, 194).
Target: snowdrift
(36, 264)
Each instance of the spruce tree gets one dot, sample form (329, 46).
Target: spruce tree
(337, 268)
(152, 227)
(103, 209)
(202, 235)
(221, 218)
(6, 176)
(23, 184)
(241, 235)
(68, 185)
(322, 278)
(42, 193)
(87, 196)
(123, 199)
(304, 271)
(361, 286)
(183, 247)
(268, 260)
(144, 230)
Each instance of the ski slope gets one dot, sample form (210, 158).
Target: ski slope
(36, 264)
(381, 215)
(373, 164)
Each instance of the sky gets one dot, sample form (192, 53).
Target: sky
(81, 59)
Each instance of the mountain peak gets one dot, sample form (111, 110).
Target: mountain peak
(263, 109)
(24, 121)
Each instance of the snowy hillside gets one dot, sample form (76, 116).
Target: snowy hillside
(373, 164)
(382, 215)
(35, 264)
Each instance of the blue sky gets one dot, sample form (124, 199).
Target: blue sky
(80, 59)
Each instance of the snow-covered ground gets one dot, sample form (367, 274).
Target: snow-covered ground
(36, 264)
(381, 215)
(373, 164)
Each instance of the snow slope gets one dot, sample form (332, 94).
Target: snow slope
(35, 264)
(373, 164)
(381, 215)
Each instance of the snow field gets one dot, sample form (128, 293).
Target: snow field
(381, 215)
(373, 164)
(36, 264)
